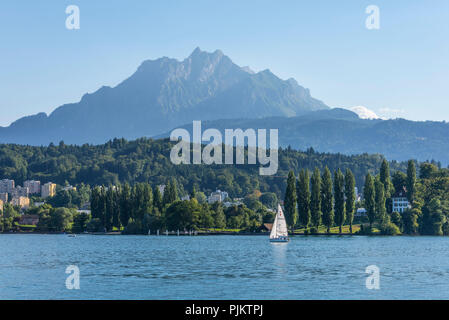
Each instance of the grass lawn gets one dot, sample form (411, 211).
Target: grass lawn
(323, 229)
(219, 230)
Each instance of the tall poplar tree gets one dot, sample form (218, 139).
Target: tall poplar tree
(380, 200)
(369, 195)
(339, 199)
(315, 199)
(411, 181)
(109, 204)
(350, 197)
(125, 204)
(385, 177)
(290, 201)
(157, 198)
(303, 193)
(327, 200)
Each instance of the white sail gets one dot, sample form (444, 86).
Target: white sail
(279, 228)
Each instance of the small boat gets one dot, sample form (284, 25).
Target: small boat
(71, 235)
(279, 232)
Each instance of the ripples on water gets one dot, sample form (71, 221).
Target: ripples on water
(222, 267)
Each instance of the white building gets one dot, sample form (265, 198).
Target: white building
(400, 202)
(217, 196)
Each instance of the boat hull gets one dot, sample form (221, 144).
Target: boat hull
(282, 239)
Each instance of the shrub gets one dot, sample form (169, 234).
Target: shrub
(389, 229)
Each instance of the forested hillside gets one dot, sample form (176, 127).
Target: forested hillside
(147, 160)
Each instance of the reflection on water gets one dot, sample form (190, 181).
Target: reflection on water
(279, 256)
(223, 267)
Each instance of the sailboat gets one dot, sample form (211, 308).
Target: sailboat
(279, 232)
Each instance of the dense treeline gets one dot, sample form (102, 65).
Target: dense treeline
(332, 201)
(148, 161)
(141, 208)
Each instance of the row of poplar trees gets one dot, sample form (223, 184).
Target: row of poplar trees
(116, 206)
(310, 202)
(332, 202)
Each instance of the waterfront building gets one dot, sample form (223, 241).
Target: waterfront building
(6, 185)
(4, 197)
(48, 190)
(22, 202)
(34, 186)
(29, 219)
(20, 192)
(217, 196)
(400, 202)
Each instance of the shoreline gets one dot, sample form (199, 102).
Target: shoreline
(198, 234)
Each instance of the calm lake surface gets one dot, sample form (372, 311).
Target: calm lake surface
(222, 267)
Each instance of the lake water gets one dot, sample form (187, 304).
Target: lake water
(222, 267)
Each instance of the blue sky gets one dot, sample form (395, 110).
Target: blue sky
(400, 70)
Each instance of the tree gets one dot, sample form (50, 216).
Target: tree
(157, 199)
(385, 177)
(303, 193)
(193, 192)
(396, 219)
(290, 201)
(327, 199)
(411, 180)
(315, 199)
(370, 202)
(125, 204)
(252, 202)
(269, 199)
(433, 218)
(427, 170)
(380, 200)
(80, 221)
(339, 196)
(410, 221)
(399, 181)
(61, 218)
(350, 197)
(201, 197)
(110, 208)
(218, 215)
(170, 193)
(98, 204)
(8, 215)
(183, 215)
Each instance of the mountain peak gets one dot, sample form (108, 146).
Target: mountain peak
(196, 52)
(164, 93)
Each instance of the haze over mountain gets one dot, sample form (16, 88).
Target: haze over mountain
(162, 94)
(166, 93)
(343, 131)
